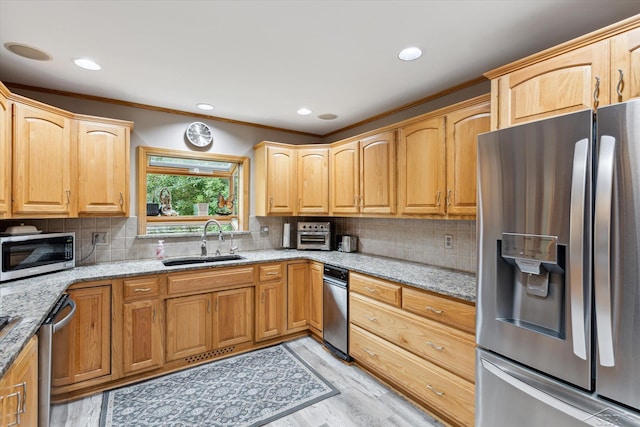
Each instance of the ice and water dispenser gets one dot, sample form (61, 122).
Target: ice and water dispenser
(530, 281)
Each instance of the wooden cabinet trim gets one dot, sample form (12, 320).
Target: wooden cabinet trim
(207, 281)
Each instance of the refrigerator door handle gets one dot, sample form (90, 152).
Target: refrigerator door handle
(541, 396)
(576, 248)
(602, 249)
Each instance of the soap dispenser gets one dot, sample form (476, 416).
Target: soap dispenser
(160, 250)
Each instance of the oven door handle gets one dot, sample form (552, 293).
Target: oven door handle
(66, 319)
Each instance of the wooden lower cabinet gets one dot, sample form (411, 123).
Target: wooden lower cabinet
(142, 335)
(189, 324)
(200, 323)
(233, 319)
(270, 302)
(82, 348)
(297, 296)
(448, 395)
(316, 271)
(19, 389)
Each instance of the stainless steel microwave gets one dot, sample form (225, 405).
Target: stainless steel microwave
(33, 254)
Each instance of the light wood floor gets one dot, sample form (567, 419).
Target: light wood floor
(362, 402)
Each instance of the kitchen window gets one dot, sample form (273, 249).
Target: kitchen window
(178, 191)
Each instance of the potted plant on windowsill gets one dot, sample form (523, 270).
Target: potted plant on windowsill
(200, 208)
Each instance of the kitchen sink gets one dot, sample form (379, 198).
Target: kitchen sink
(200, 259)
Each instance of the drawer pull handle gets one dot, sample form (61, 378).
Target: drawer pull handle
(271, 273)
(370, 289)
(141, 289)
(18, 395)
(437, 347)
(371, 318)
(370, 353)
(436, 311)
(433, 389)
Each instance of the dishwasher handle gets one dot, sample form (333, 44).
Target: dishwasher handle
(334, 282)
(66, 319)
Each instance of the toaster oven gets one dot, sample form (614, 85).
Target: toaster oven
(314, 236)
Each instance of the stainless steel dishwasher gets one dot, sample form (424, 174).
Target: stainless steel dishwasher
(335, 310)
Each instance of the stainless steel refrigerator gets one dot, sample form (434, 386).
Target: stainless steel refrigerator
(558, 308)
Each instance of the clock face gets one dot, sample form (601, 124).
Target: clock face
(199, 134)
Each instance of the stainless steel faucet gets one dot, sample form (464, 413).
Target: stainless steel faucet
(203, 244)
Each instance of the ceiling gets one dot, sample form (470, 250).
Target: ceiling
(259, 61)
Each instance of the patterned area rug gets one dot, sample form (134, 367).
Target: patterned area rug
(251, 389)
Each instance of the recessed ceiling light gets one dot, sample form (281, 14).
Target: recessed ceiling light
(28, 52)
(206, 107)
(410, 54)
(327, 116)
(304, 111)
(87, 64)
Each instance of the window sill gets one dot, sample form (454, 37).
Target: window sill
(165, 236)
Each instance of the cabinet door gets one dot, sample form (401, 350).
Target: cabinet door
(270, 310)
(189, 322)
(142, 335)
(558, 85)
(5, 156)
(316, 271)
(421, 167)
(297, 296)
(233, 320)
(281, 181)
(42, 159)
(313, 181)
(625, 57)
(463, 127)
(378, 174)
(345, 178)
(82, 348)
(103, 170)
(19, 389)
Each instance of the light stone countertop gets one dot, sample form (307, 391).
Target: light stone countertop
(33, 298)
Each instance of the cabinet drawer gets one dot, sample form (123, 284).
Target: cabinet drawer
(378, 289)
(447, 347)
(452, 313)
(269, 272)
(144, 287)
(203, 281)
(440, 391)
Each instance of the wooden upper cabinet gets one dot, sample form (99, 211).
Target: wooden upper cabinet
(564, 78)
(625, 58)
(313, 181)
(363, 175)
(558, 85)
(421, 167)
(5, 153)
(377, 173)
(275, 179)
(43, 162)
(345, 178)
(103, 169)
(463, 127)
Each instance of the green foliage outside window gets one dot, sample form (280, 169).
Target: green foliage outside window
(189, 190)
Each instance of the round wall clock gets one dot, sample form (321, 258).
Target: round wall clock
(199, 134)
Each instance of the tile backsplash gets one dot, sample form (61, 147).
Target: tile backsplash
(416, 240)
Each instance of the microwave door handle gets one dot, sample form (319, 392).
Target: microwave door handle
(602, 249)
(576, 248)
(66, 319)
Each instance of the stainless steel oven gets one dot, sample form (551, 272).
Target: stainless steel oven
(29, 255)
(314, 235)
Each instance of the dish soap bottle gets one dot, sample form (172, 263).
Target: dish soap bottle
(160, 250)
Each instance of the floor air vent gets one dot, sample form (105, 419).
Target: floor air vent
(210, 354)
